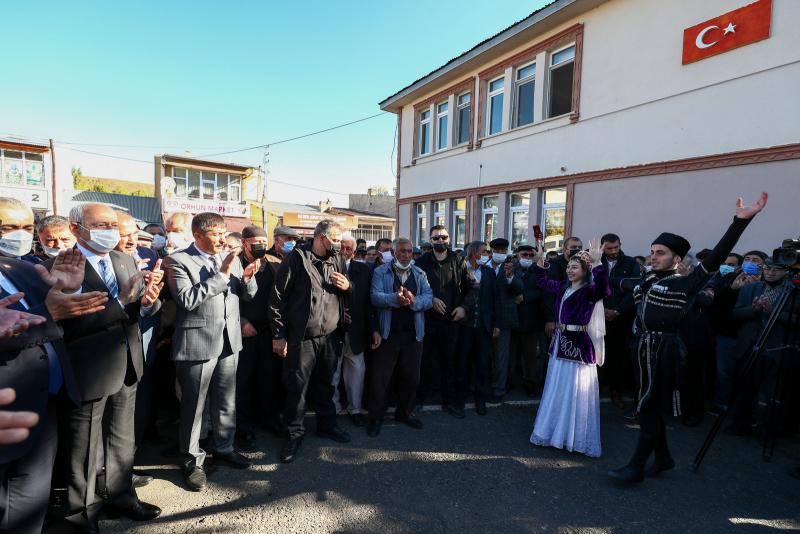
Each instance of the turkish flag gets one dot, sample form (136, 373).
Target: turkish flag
(737, 28)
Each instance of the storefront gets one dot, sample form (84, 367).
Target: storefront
(26, 174)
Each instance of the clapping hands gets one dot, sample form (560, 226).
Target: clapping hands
(405, 297)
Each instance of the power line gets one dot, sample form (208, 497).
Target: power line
(140, 146)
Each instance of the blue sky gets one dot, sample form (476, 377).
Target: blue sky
(210, 76)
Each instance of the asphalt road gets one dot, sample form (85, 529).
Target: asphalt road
(479, 474)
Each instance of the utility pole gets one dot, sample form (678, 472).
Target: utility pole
(264, 188)
(53, 175)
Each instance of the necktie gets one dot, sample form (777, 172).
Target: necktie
(214, 264)
(16, 306)
(109, 278)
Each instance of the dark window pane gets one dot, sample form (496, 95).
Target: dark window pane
(525, 104)
(496, 114)
(442, 133)
(424, 139)
(463, 125)
(561, 90)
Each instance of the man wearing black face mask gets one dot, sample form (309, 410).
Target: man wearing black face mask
(305, 312)
(449, 280)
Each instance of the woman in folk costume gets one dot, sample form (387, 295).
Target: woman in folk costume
(569, 415)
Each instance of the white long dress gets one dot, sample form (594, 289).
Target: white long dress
(569, 414)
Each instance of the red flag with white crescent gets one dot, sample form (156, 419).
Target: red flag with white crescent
(740, 27)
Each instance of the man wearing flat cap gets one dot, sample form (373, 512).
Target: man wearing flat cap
(284, 239)
(662, 297)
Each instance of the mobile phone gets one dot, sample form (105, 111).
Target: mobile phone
(537, 233)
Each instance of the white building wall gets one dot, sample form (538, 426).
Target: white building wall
(638, 103)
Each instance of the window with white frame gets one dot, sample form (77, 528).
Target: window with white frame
(518, 218)
(459, 231)
(441, 125)
(424, 132)
(524, 87)
(21, 168)
(422, 224)
(554, 214)
(191, 183)
(439, 213)
(559, 98)
(463, 111)
(490, 218)
(494, 110)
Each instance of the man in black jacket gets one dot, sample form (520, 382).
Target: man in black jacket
(617, 372)
(528, 342)
(31, 359)
(305, 311)
(449, 280)
(361, 324)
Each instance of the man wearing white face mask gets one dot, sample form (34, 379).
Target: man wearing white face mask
(16, 230)
(54, 236)
(179, 235)
(528, 342)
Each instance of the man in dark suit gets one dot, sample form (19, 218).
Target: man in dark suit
(106, 385)
(617, 372)
(207, 340)
(17, 220)
(361, 324)
(31, 360)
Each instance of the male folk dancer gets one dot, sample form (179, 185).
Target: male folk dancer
(662, 297)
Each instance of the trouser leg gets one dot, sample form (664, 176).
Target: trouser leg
(79, 433)
(297, 369)
(408, 374)
(272, 392)
(726, 369)
(500, 367)
(447, 346)
(483, 351)
(25, 482)
(429, 371)
(247, 382)
(354, 370)
(120, 447)
(329, 350)
(222, 405)
(384, 359)
(194, 379)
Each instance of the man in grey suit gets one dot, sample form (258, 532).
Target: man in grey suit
(207, 341)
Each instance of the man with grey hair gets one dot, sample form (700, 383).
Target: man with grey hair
(306, 310)
(54, 236)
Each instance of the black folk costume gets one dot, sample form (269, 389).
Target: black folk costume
(662, 300)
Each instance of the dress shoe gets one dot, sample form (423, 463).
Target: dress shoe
(335, 433)
(141, 479)
(480, 407)
(455, 411)
(627, 474)
(631, 415)
(246, 441)
(412, 421)
(659, 466)
(373, 428)
(233, 459)
(358, 419)
(195, 478)
(289, 450)
(138, 511)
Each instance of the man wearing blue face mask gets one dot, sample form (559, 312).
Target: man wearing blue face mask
(284, 239)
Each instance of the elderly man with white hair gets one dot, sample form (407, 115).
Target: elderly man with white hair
(362, 324)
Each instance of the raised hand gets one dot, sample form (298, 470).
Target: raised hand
(748, 212)
(251, 269)
(68, 267)
(129, 291)
(156, 275)
(14, 426)
(13, 322)
(227, 263)
(595, 252)
(539, 256)
(68, 305)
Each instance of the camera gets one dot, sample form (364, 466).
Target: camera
(258, 250)
(787, 254)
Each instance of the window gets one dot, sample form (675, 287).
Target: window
(221, 190)
(235, 190)
(459, 233)
(422, 224)
(561, 73)
(372, 232)
(12, 167)
(209, 184)
(554, 211)
(490, 217)
(194, 184)
(518, 221)
(441, 126)
(439, 214)
(179, 177)
(424, 132)
(495, 104)
(523, 93)
(463, 119)
(34, 169)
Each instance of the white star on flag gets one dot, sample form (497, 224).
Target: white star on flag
(730, 28)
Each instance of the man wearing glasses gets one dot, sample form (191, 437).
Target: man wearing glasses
(449, 279)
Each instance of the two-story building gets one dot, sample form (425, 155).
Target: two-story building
(26, 173)
(595, 116)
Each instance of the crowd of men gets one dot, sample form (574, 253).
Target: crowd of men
(118, 329)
